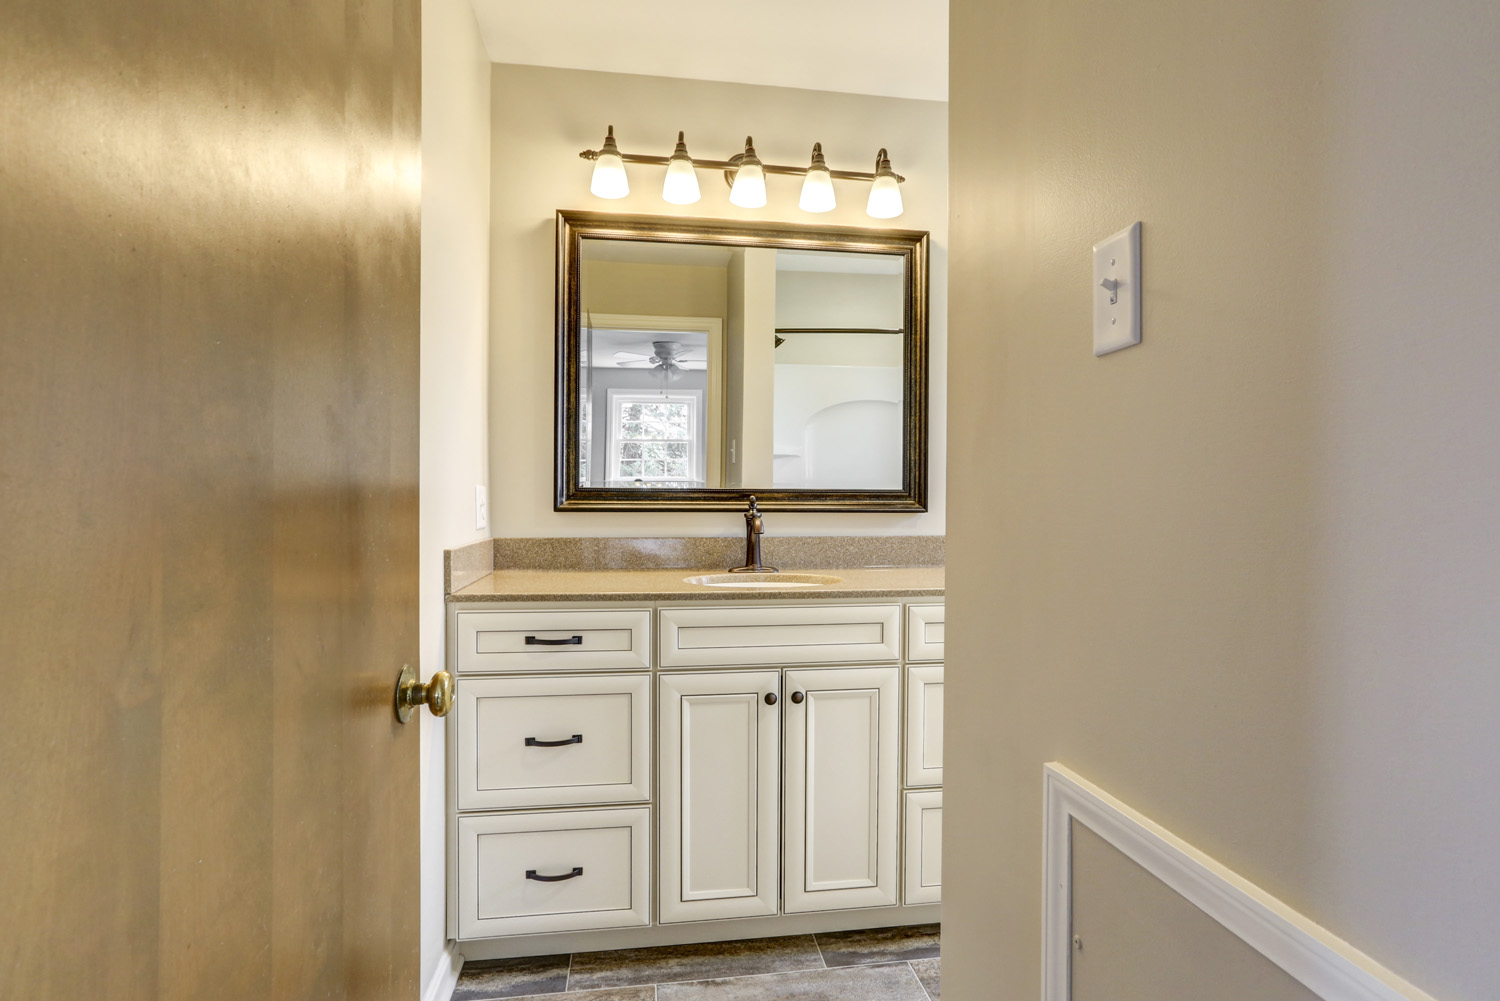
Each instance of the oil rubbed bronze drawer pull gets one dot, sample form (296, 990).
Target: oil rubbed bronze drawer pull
(570, 641)
(577, 738)
(577, 871)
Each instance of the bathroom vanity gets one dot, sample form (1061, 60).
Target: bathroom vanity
(636, 759)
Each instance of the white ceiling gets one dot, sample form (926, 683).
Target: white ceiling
(889, 48)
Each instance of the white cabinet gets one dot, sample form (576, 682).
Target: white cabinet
(558, 871)
(773, 635)
(924, 725)
(786, 763)
(923, 839)
(842, 786)
(720, 740)
(553, 741)
(615, 639)
(924, 632)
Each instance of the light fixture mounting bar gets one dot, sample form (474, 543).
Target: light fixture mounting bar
(732, 165)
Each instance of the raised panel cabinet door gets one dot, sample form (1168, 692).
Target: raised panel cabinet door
(924, 846)
(720, 748)
(842, 783)
(924, 725)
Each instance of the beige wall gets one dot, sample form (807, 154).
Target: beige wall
(652, 289)
(1137, 939)
(1243, 576)
(455, 348)
(542, 118)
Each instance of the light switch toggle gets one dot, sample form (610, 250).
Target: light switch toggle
(1112, 286)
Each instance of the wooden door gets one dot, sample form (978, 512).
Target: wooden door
(842, 788)
(208, 490)
(720, 742)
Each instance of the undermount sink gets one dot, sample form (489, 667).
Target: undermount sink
(764, 580)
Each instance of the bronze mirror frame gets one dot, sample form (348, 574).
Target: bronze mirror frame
(575, 226)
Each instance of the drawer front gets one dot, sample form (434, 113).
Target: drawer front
(779, 634)
(566, 640)
(553, 741)
(924, 632)
(509, 868)
(924, 725)
(924, 847)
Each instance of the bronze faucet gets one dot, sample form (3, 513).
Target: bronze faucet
(754, 529)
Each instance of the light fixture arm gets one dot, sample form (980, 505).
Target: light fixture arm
(733, 163)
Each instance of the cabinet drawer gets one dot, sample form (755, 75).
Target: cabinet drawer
(505, 861)
(779, 634)
(924, 632)
(924, 725)
(924, 847)
(583, 640)
(553, 741)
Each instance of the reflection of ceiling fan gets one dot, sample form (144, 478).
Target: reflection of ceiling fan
(670, 357)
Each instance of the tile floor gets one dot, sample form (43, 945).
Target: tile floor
(879, 964)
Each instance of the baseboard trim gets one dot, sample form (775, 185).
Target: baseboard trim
(1321, 961)
(445, 977)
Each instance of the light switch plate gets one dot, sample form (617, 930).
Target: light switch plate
(1117, 277)
(481, 508)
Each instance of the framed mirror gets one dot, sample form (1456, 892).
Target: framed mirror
(700, 361)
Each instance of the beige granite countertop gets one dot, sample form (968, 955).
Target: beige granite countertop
(668, 585)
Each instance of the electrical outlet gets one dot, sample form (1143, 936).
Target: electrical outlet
(481, 508)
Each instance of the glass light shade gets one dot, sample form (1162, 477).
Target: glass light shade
(817, 191)
(609, 177)
(749, 190)
(681, 184)
(885, 198)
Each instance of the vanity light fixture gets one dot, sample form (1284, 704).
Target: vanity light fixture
(681, 184)
(885, 192)
(749, 188)
(609, 170)
(817, 185)
(746, 176)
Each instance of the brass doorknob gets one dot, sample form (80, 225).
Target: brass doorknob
(437, 694)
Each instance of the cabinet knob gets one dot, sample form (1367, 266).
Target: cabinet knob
(770, 698)
(797, 698)
(436, 695)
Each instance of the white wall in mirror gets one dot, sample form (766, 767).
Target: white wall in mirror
(543, 117)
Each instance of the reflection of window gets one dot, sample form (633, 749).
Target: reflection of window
(655, 438)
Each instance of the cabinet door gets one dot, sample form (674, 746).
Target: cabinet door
(842, 788)
(924, 847)
(924, 725)
(720, 753)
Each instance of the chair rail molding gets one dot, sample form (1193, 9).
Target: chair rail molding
(1321, 961)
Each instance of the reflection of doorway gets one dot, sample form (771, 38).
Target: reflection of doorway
(619, 343)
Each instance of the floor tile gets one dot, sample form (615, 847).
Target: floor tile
(643, 993)
(878, 945)
(704, 961)
(890, 982)
(485, 979)
(929, 972)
